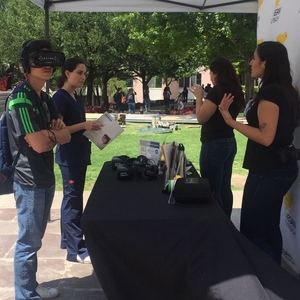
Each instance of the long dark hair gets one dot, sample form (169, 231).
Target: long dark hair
(278, 72)
(69, 65)
(226, 76)
(277, 67)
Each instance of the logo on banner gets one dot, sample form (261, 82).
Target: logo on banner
(281, 38)
(290, 222)
(276, 13)
(260, 41)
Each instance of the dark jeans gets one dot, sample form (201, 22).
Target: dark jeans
(131, 108)
(260, 215)
(216, 159)
(120, 107)
(71, 212)
(167, 103)
(147, 104)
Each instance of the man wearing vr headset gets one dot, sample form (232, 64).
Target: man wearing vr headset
(34, 128)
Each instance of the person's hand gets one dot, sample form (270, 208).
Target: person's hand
(197, 91)
(224, 106)
(58, 124)
(27, 140)
(92, 125)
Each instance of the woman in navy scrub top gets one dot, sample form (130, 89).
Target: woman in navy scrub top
(73, 158)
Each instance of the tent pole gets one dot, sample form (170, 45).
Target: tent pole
(46, 7)
(47, 4)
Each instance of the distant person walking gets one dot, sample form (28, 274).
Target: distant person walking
(207, 88)
(167, 98)
(131, 101)
(185, 93)
(9, 79)
(6, 82)
(146, 98)
(118, 99)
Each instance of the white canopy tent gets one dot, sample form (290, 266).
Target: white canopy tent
(232, 6)
(226, 6)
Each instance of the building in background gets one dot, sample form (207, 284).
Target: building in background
(156, 85)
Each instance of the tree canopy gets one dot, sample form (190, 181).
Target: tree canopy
(130, 45)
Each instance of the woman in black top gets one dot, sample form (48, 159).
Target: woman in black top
(272, 118)
(218, 142)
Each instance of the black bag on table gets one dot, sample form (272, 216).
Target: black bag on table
(192, 190)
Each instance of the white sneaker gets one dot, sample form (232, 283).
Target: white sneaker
(47, 292)
(87, 260)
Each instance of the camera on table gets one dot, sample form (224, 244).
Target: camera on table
(288, 153)
(138, 167)
(119, 160)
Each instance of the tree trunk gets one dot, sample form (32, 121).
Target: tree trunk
(98, 97)
(249, 82)
(89, 94)
(104, 91)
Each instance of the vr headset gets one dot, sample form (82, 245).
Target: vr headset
(43, 58)
(33, 54)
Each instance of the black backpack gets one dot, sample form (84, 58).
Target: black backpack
(7, 164)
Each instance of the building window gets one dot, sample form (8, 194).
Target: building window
(155, 82)
(184, 82)
(129, 83)
(196, 79)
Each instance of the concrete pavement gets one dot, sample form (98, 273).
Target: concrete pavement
(75, 281)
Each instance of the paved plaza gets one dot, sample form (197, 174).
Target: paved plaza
(75, 281)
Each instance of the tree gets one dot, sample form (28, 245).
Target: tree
(232, 36)
(18, 25)
(162, 44)
(169, 45)
(100, 39)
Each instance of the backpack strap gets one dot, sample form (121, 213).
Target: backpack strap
(22, 144)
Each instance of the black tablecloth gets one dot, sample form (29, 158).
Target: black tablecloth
(143, 248)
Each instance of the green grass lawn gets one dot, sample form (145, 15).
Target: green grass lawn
(128, 144)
